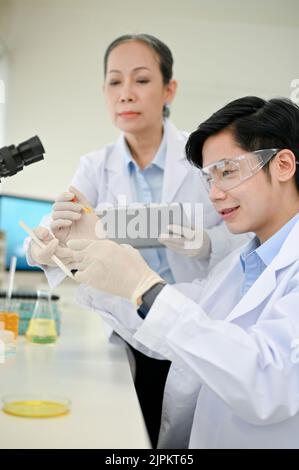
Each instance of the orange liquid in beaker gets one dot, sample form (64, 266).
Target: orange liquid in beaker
(11, 321)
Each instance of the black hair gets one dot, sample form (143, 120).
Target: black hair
(255, 124)
(161, 50)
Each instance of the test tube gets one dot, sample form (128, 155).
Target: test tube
(86, 209)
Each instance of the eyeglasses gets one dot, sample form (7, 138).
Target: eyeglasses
(227, 174)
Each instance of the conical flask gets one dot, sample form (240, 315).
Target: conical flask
(42, 326)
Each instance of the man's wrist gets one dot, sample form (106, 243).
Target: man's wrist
(149, 297)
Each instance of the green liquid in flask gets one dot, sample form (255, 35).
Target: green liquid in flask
(41, 331)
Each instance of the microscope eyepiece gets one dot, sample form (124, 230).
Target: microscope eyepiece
(13, 159)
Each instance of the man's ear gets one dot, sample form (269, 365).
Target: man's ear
(285, 165)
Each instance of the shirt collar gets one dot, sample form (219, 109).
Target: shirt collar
(159, 159)
(250, 248)
(268, 250)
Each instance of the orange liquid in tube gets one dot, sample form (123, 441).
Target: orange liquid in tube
(86, 209)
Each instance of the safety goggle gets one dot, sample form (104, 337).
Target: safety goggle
(227, 174)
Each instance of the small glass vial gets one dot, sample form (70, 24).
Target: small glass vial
(7, 344)
(42, 326)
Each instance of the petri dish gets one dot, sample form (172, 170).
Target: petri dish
(35, 406)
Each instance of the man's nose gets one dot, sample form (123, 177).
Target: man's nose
(216, 193)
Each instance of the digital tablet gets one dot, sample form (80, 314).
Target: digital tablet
(140, 225)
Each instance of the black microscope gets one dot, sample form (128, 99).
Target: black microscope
(13, 159)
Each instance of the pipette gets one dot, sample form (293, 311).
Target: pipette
(12, 270)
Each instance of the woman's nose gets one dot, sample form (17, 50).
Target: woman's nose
(126, 99)
(127, 94)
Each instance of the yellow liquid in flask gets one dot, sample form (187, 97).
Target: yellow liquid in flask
(41, 331)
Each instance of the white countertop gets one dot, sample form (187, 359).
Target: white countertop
(83, 367)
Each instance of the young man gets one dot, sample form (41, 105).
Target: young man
(231, 338)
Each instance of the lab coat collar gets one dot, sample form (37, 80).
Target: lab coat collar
(118, 159)
(118, 172)
(177, 167)
(266, 283)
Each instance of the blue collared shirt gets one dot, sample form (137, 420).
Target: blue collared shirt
(147, 187)
(257, 257)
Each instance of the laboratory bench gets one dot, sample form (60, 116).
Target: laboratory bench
(81, 366)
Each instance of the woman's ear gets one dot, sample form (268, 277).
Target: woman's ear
(171, 88)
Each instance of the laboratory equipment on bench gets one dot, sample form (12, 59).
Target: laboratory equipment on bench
(7, 343)
(35, 405)
(8, 311)
(42, 326)
(23, 302)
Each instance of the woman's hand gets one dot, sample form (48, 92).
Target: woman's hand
(187, 241)
(73, 218)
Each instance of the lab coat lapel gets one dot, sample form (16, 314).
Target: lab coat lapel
(118, 176)
(176, 166)
(264, 285)
(267, 281)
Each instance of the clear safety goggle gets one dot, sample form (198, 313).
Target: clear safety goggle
(227, 174)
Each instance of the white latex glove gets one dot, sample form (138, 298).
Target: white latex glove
(43, 255)
(112, 268)
(73, 218)
(187, 241)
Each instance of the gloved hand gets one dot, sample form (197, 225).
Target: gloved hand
(43, 255)
(73, 218)
(187, 241)
(104, 265)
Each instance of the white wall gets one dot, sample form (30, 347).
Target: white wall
(3, 83)
(223, 49)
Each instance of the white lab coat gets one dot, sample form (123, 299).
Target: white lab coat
(102, 176)
(235, 368)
